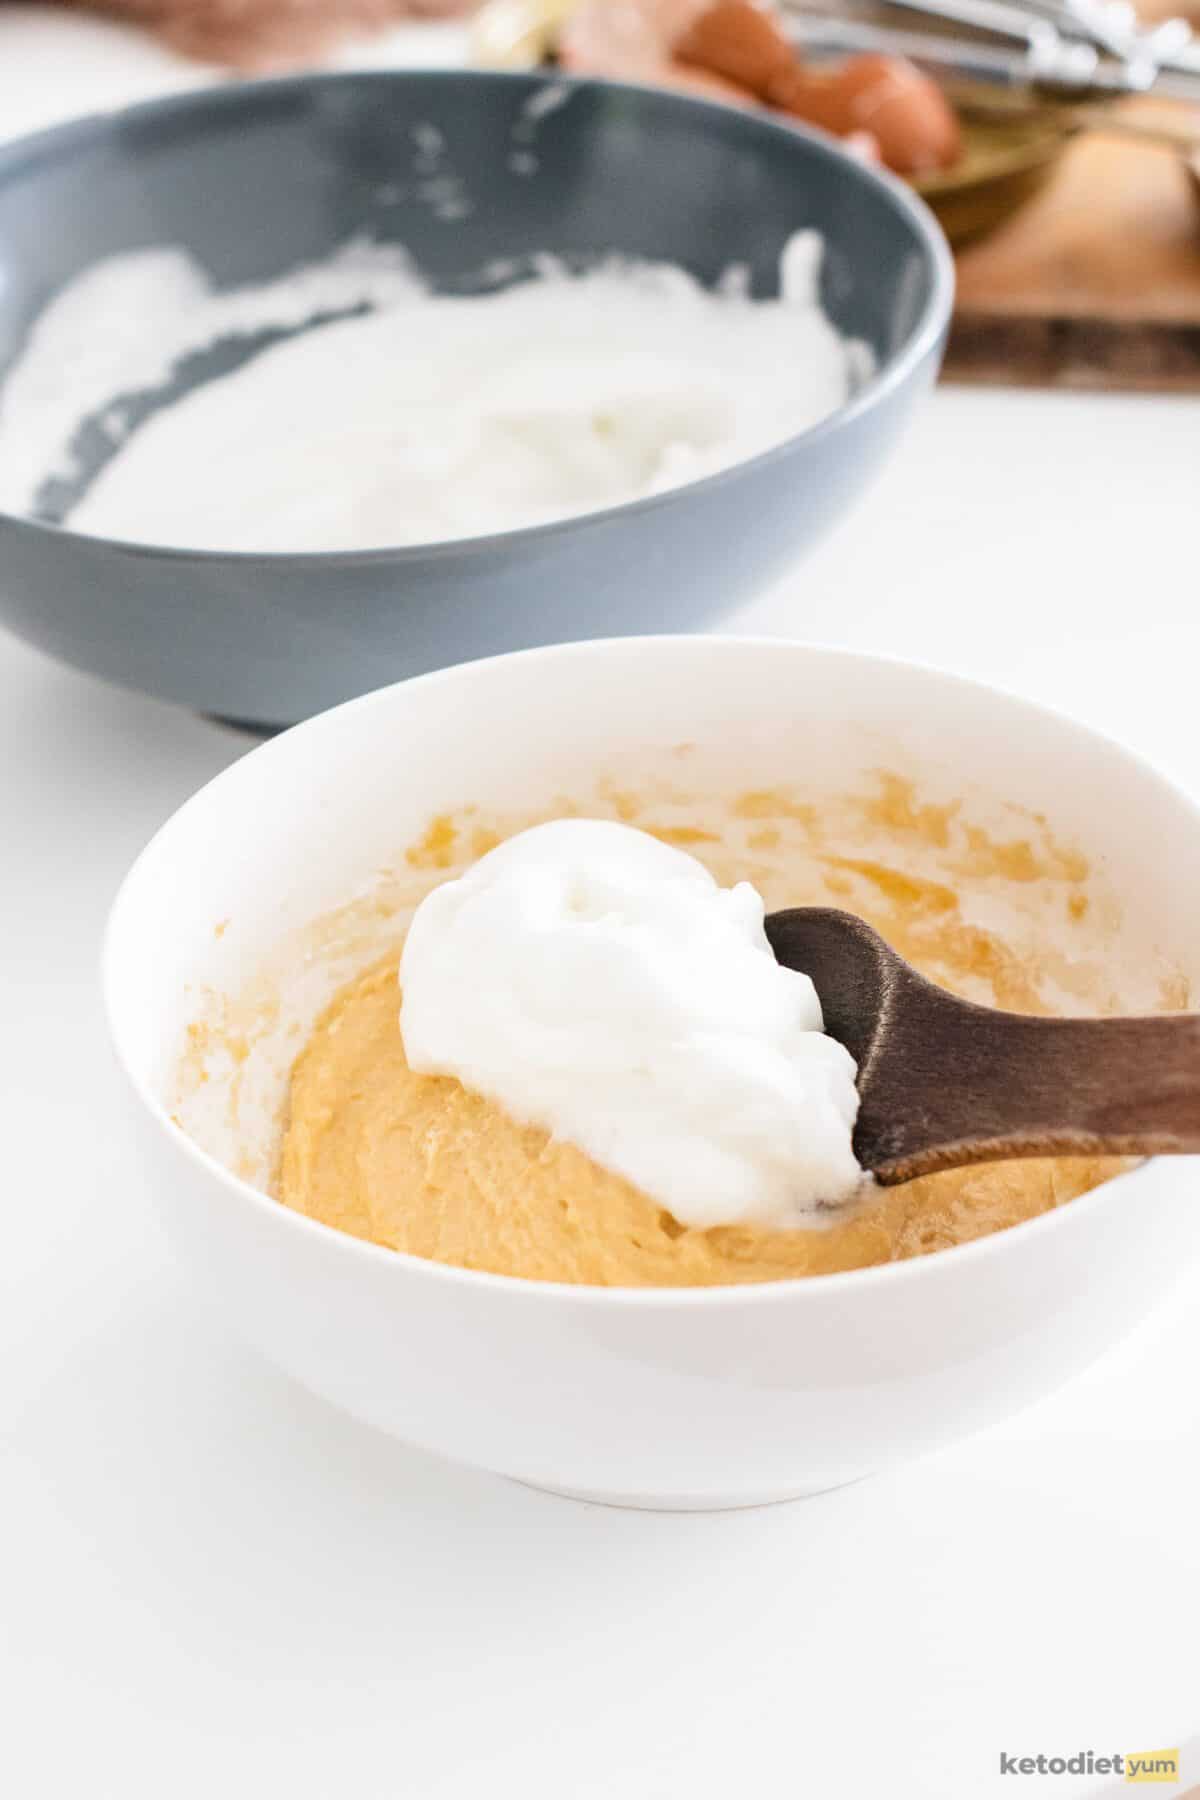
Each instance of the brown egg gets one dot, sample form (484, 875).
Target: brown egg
(738, 40)
(905, 112)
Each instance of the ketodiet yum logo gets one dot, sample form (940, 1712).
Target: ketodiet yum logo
(1133, 1765)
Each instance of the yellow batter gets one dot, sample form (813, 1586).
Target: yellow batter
(420, 1164)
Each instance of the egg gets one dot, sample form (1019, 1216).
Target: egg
(908, 116)
(739, 41)
(735, 50)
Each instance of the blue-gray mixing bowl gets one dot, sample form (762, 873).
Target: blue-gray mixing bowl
(255, 179)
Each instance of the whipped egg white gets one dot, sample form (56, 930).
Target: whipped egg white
(415, 416)
(601, 985)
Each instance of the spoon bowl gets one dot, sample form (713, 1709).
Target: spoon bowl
(656, 1397)
(943, 1083)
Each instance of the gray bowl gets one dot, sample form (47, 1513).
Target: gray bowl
(258, 178)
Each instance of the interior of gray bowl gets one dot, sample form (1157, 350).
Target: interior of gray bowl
(469, 174)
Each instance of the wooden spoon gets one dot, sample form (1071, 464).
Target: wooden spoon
(943, 1082)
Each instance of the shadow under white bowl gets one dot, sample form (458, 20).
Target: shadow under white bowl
(671, 1398)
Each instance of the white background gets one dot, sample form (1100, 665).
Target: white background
(212, 1585)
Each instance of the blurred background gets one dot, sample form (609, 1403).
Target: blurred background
(1057, 140)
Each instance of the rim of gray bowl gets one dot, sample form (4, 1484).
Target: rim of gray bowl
(74, 134)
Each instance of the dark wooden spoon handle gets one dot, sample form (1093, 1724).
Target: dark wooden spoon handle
(965, 1084)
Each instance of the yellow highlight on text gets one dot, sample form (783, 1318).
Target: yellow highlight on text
(1152, 1765)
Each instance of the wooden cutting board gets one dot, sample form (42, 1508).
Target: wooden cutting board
(1095, 283)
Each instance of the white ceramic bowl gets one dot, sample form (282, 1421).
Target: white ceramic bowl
(694, 1398)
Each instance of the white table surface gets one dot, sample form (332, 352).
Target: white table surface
(212, 1585)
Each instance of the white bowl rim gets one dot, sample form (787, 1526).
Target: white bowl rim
(887, 379)
(786, 1290)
